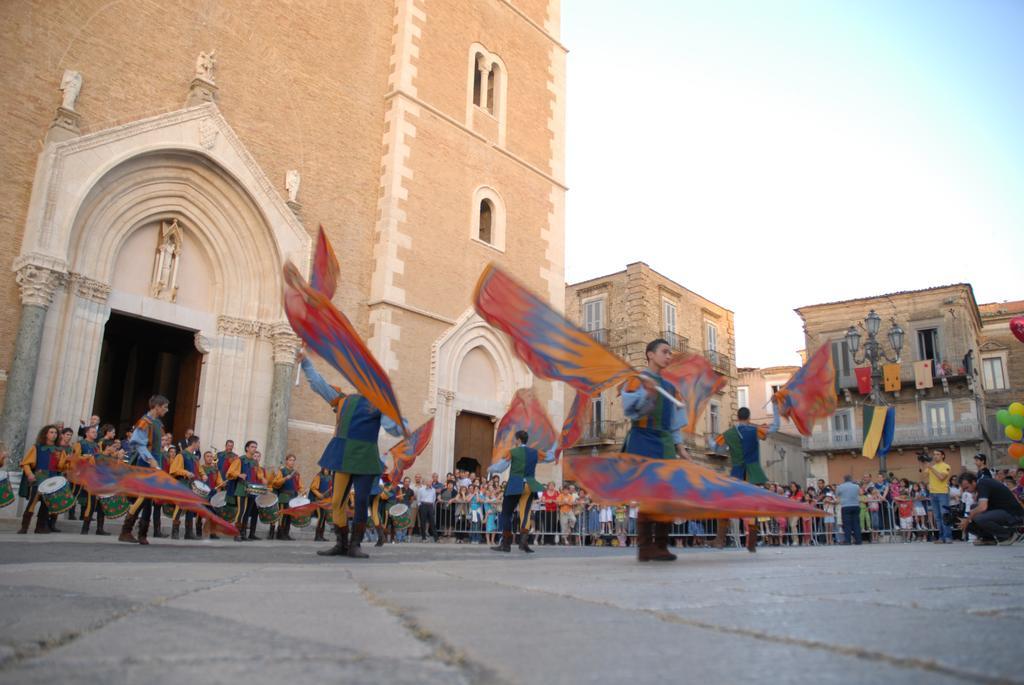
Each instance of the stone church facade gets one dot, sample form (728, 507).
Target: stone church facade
(161, 163)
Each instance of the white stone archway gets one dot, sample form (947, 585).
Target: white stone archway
(468, 337)
(92, 194)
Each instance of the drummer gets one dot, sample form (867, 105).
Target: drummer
(244, 472)
(86, 450)
(285, 484)
(353, 456)
(209, 474)
(145, 439)
(40, 462)
(185, 468)
(66, 447)
(319, 490)
(225, 458)
(380, 493)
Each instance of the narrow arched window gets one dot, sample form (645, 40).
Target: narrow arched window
(478, 78)
(486, 219)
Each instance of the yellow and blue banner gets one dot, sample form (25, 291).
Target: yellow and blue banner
(879, 430)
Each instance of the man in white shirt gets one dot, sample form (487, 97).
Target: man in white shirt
(426, 496)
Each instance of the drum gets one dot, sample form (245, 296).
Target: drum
(302, 520)
(58, 494)
(115, 506)
(201, 489)
(255, 489)
(400, 515)
(219, 503)
(6, 491)
(267, 507)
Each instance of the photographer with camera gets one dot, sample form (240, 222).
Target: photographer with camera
(938, 487)
(998, 515)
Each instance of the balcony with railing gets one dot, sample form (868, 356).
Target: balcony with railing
(678, 343)
(599, 334)
(599, 433)
(913, 434)
(720, 362)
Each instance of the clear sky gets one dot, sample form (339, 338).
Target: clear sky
(769, 155)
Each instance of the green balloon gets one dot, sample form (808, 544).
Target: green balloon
(1003, 417)
(1017, 420)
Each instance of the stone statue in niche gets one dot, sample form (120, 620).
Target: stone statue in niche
(291, 184)
(165, 265)
(205, 63)
(70, 86)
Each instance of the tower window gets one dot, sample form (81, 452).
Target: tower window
(478, 77)
(486, 218)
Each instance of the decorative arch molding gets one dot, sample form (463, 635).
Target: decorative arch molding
(92, 193)
(468, 333)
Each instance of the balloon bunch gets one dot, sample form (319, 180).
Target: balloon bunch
(1012, 420)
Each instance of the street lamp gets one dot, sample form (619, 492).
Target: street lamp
(875, 355)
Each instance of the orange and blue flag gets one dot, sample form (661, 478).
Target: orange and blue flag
(330, 334)
(552, 347)
(108, 477)
(575, 420)
(810, 394)
(696, 382)
(669, 489)
(525, 413)
(324, 278)
(406, 451)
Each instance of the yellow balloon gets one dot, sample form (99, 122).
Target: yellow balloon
(1013, 433)
(1016, 408)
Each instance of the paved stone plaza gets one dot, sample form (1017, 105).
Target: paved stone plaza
(92, 610)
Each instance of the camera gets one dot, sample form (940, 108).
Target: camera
(924, 457)
(951, 517)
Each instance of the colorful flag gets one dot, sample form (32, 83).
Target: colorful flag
(670, 489)
(552, 347)
(330, 334)
(109, 477)
(524, 413)
(405, 452)
(574, 423)
(324, 278)
(891, 377)
(879, 428)
(923, 374)
(810, 394)
(863, 374)
(696, 382)
(307, 508)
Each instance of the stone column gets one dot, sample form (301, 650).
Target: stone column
(286, 346)
(37, 284)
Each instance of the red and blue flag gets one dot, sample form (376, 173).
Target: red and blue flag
(405, 452)
(524, 413)
(696, 382)
(810, 394)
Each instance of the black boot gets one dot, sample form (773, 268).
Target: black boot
(85, 525)
(188, 530)
(661, 535)
(52, 523)
(340, 548)
(358, 530)
(100, 519)
(380, 536)
(321, 523)
(175, 530)
(252, 530)
(524, 537)
(143, 531)
(199, 529)
(286, 529)
(272, 534)
(42, 520)
(506, 542)
(157, 531)
(26, 519)
(71, 514)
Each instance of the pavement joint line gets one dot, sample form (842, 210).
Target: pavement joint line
(43, 647)
(441, 650)
(912, 663)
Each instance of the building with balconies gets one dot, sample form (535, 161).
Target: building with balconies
(941, 324)
(626, 310)
(1001, 368)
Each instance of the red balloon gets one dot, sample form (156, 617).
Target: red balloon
(1017, 328)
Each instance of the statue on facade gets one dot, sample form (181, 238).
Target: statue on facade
(205, 63)
(291, 184)
(70, 86)
(165, 266)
